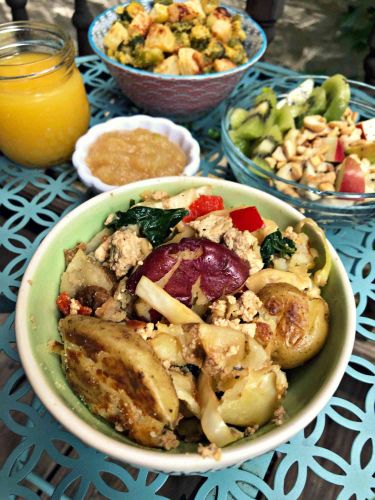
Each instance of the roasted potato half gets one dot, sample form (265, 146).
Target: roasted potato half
(118, 375)
(84, 271)
(292, 326)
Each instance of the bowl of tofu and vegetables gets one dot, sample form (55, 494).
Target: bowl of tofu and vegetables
(180, 59)
(185, 324)
(309, 140)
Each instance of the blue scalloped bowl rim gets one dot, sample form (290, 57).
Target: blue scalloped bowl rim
(242, 67)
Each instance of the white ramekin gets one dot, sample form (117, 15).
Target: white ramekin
(175, 133)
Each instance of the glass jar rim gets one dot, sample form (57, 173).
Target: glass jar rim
(65, 52)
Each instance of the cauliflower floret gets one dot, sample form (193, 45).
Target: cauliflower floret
(169, 66)
(246, 246)
(223, 65)
(140, 25)
(304, 257)
(212, 226)
(127, 250)
(189, 61)
(116, 35)
(160, 37)
(220, 23)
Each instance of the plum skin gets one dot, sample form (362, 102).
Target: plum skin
(220, 270)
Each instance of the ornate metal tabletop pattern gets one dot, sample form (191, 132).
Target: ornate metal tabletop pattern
(31, 202)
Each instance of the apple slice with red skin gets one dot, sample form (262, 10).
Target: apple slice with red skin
(336, 150)
(368, 129)
(350, 177)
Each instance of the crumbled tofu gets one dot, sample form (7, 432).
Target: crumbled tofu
(74, 306)
(279, 416)
(126, 250)
(304, 257)
(243, 308)
(246, 246)
(146, 330)
(122, 295)
(212, 226)
(102, 252)
(111, 311)
(211, 451)
(168, 440)
(154, 195)
(247, 328)
(249, 431)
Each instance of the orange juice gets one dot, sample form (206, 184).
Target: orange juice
(43, 108)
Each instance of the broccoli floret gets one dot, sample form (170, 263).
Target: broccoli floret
(200, 37)
(147, 58)
(182, 40)
(214, 50)
(181, 27)
(235, 52)
(163, 2)
(137, 40)
(128, 13)
(237, 31)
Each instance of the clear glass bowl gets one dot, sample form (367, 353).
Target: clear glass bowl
(332, 208)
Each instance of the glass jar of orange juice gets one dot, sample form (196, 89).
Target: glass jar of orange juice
(43, 103)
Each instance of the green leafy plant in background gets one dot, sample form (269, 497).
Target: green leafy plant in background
(356, 23)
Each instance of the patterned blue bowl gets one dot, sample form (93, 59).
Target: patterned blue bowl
(329, 208)
(179, 97)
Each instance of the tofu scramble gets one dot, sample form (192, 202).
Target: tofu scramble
(182, 38)
(179, 318)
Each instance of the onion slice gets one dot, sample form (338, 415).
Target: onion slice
(321, 275)
(165, 304)
(213, 425)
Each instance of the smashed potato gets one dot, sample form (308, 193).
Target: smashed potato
(297, 326)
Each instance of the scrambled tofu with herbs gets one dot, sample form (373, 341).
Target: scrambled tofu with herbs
(189, 38)
(179, 317)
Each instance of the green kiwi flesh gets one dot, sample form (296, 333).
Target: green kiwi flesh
(284, 118)
(338, 97)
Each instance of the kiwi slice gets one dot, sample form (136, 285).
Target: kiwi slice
(237, 117)
(261, 117)
(267, 94)
(267, 144)
(317, 102)
(284, 118)
(338, 97)
(260, 162)
(242, 144)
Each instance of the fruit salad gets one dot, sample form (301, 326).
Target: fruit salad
(310, 136)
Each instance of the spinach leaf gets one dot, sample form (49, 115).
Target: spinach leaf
(154, 223)
(275, 243)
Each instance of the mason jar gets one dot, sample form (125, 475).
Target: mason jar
(43, 103)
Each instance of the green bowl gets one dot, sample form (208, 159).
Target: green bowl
(310, 387)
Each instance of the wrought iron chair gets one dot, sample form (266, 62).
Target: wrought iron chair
(266, 12)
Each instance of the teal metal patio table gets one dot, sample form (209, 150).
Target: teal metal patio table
(334, 457)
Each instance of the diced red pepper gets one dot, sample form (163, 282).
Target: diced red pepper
(63, 303)
(84, 310)
(247, 219)
(204, 205)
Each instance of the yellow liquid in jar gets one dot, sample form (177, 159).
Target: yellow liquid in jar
(41, 118)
